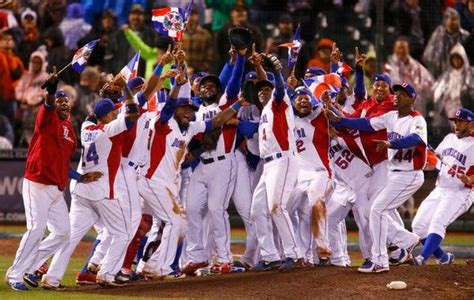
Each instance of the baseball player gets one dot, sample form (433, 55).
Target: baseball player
(277, 148)
(102, 144)
(46, 176)
(406, 144)
(212, 182)
(453, 194)
(314, 174)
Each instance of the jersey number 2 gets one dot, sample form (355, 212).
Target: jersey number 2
(92, 154)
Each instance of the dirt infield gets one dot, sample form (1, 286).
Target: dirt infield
(429, 282)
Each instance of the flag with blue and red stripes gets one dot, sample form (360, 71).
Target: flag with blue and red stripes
(169, 21)
(131, 69)
(79, 61)
(294, 47)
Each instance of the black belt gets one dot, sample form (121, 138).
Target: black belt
(272, 157)
(211, 160)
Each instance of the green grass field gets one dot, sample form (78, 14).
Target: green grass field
(75, 265)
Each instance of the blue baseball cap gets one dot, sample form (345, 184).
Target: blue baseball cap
(103, 107)
(60, 94)
(135, 82)
(382, 77)
(407, 88)
(463, 114)
(186, 102)
(315, 71)
(251, 76)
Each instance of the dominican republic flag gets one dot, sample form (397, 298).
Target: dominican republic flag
(343, 68)
(131, 69)
(318, 84)
(169, 21)
(79, 61)
(187, 12)
(293, 48)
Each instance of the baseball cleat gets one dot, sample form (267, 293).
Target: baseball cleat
(448, 259)
(221, 268)
(267, 265)
(47, 286)
(367, 262)
(110, 283)
(403, 256)
(174, 275)
(418, 260)
(240, 264)
(372, 268)
(41, 271)
(288, 264)
(93, 268)
(31, 280)
(18, 286)
(86, 278)
(324, 261)
(122, 277)
(191, 267)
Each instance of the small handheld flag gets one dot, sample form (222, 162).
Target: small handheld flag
(79, 61)
(293, 48)
(169, 21)
(343, 68)
(131, 69)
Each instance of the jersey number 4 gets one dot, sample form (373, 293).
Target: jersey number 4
(92, 154)
(345, 159)
(408, 155)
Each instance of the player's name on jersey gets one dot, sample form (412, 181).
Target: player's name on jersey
(22, 153)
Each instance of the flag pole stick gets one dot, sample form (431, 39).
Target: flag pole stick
(65, 67)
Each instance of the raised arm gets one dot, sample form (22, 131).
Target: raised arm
(335, 57)
(359, 86)
(138, 44)
(155, 81)
(170, 106)
(233, 87)
(226, 71)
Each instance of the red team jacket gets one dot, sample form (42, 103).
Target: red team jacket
(51, 149)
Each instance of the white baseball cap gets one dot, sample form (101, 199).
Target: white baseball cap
(28, 12)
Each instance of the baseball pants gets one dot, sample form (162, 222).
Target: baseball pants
(242, 198)
(441, 208)
(400, 186)
(84, 214)
(45, 207)
(210, 190)
(343, 200)
(271, 199)
(162, 198)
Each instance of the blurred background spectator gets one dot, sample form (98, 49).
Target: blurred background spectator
(448, 34)
(430, 50)
(29, 95)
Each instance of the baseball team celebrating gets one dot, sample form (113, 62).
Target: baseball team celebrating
(157, 174)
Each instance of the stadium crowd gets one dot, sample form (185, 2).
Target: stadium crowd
(431, 44)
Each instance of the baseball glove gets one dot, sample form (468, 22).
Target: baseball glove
(274, 61)
(240, 37)
(210, 139)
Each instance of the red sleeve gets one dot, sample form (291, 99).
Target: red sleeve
(45, 114)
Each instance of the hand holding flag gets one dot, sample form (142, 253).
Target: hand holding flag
(293, 48)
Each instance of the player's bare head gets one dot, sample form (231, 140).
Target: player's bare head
(111, 90)
(184, 113)
(381, 86)
(463, 122)
(264, 90)
(105, 111)
(209, 88)
(62, 105)
(405, 95)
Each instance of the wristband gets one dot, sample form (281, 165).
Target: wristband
(158, 70)
(236, 106)
(73, 174)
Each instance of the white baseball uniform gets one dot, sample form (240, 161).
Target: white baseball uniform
(352, 176)
(277, 148)
(102, 145)
(212, 184)
(404, 178)
(314, 180)
(451, 198)
(160, 186)
(245, 185)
